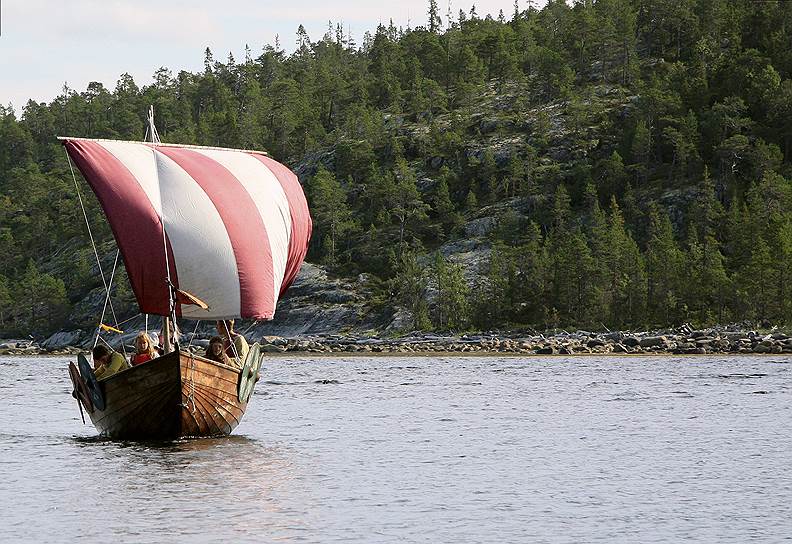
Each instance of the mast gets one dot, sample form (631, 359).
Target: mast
(151, 131)
(168, 321)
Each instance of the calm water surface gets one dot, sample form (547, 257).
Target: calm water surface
(416, 449)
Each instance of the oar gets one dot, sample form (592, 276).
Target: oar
(82, 416)
(74, 390)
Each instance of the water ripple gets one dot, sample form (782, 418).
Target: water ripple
(468, 449)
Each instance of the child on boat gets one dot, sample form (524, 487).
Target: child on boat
(144, 349)
(107, 362)
(215, 352)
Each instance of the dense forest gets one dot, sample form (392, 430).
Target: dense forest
(632, 158)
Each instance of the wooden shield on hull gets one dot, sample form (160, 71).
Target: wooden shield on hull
(176, 395)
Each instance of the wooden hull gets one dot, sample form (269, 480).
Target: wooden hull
(174, 396)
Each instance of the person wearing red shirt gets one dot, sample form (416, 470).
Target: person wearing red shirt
(144, 350)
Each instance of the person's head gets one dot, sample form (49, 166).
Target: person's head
(215, 348)
(143, 343)
(225, 327)
(101, 355)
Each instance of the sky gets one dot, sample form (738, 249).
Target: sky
(46, 43)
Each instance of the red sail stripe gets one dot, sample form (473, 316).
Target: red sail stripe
(300, 218)
(244, 225)
(134, 221)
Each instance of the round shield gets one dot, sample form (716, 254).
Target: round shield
(94, 389)
(249, 374)
(80, 391)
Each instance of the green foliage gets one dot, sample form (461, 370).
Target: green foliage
(39, 301)
(452, 307)
(636, 155)
(664, 270)
(410, 284)
(332, 216)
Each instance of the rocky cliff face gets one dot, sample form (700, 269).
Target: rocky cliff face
(318, 304)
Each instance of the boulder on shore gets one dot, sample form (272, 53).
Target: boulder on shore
(62, 339)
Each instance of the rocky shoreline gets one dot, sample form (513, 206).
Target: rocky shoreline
(684, 340)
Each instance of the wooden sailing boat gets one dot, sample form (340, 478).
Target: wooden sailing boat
(205, 233)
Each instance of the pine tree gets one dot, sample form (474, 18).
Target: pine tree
(452, 303)
(40, 300)
(410, 284)
(442, 205)
(496, 296)
(628, 275)
(531, 289)
(434, 17)
(664, 270)
(5, 299)
(641, 149)
(331, 211)
(783, 272)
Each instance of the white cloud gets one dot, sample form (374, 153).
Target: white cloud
(87, 21)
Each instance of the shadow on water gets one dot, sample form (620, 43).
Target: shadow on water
(180, 445)
(207, 459)
(182, 452)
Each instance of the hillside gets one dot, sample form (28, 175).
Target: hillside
(611, 164)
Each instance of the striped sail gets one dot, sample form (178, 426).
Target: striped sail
(236, 223)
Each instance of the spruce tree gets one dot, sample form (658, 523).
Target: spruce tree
(331, 212)
(664, 270)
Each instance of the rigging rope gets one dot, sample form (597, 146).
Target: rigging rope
(130, 319)
(231, 341)
(255, 322)
(93, 242)
(104, 308)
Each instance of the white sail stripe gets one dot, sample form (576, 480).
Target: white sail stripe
(270, 200)
(140, 161)
(205, 261)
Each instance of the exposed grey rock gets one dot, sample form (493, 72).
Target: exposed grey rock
(269, 348)
(481, 227)
(274, 340)
(488, 125)
(62, 339)
(317, 304)
(631, 341)
(652, 341)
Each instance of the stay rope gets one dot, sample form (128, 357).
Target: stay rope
(104, 308)
(231, 341)
(93, 244)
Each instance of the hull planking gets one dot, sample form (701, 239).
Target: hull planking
(174, 396)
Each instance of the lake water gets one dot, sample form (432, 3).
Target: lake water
(416, 449)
